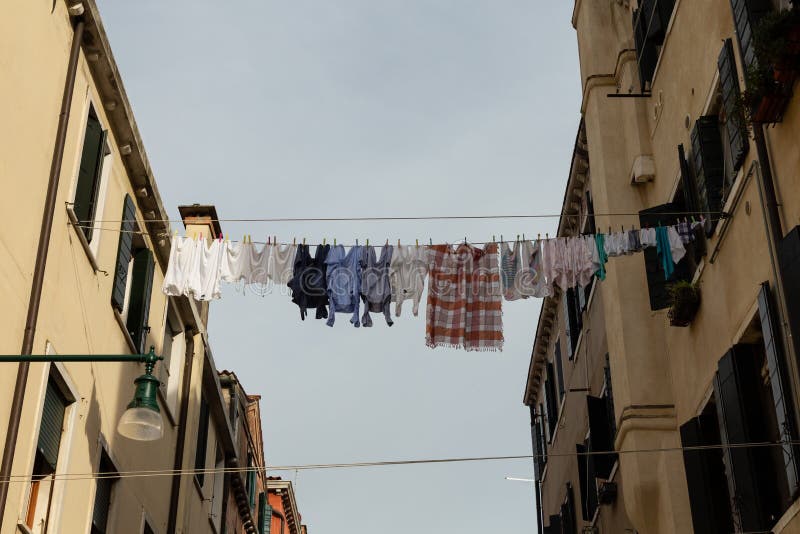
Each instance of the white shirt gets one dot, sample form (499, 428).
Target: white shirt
(407, 272)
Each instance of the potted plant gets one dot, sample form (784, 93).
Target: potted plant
(685, 298)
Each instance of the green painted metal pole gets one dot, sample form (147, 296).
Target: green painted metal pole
(142, 358)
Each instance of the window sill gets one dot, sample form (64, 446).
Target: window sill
(124, 328)
(73, 220)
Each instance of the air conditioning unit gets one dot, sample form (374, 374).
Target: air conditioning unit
(643, 169)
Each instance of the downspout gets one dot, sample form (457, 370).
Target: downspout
(39, 267)
(180, 446)
(282, 517)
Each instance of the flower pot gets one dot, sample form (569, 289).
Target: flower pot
(685, 304)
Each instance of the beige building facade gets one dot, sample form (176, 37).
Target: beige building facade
(686, 110)
(100, 294)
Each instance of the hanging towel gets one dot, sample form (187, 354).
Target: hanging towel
(280, 263)
(205, 286)
(676, 246)
(376, 291)
(602, 257)
(407, 273)
(536, 281)
(183, 260)
(670, 249)
(464, 298)
(344, 283)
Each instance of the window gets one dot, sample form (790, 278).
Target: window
(264, 514)
(572, 319)
(218, 497)
(559, 370)
(550, 398)
(251, 481)
(586, 477)
(95, 149)
(133, 278)
(103, 496)
(650, 24)
(45, 460)
(569, 523)
(539, 446)
(554, 527)
(600, 436)
(540, 432)
(147, 529)
(609, 398)
(173, 349)
(202, 443)
(746, 16)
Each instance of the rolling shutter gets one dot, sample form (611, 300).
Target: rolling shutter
(141, 291)
(656, 284)
(124, 251)
(729, 87)
(705, 477)
(709, 167)
(52, 424)
(741, 417)
(600, 438)
(550, 394)
(779, 387)
(559, 370)
(85, 203)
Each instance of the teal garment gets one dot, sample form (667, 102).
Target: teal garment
(664, 251)
(600, 241)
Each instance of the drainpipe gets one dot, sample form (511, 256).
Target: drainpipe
(39, 268)
(180, 445)
(282, 517)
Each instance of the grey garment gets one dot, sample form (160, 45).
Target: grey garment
(634, 243)
(376, 290)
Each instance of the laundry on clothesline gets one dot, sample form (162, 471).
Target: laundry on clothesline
(466, 284)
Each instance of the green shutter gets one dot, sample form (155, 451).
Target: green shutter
(709, 167)
(85, 204)
(124, 251)
(264, 514)
(251, 486)
(52, 424)
(202, 442)
(141, 290)
(729, 87)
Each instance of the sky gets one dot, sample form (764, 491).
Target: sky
(351, 108)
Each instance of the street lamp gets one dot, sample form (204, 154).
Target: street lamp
(142, 419)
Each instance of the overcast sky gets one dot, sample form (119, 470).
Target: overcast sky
(320, 108)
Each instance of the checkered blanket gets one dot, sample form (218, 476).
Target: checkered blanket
(464, 298)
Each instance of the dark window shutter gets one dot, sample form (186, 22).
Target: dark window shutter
(600, 438)
(779, 387)
(590, 222)
(569, 524)
(741, 416)
(550, 394)
(141, 291)
(729, 88)
(789, 259)
(555, 525)
(559, 370)
(102, 497)
(124, 251)
(650, 24)
(709, 167)
(609, 398)
(572, 320)
(542, 437)
(202, 442)
(52, 424)
(746, 16)
(147, 529)
(537, 473)
(85, 203)
(586, 476)
(565, 303)
(705, 477)
(688, 183)
(656, 284)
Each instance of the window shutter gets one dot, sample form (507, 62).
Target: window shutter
(586, 477)
(789, 260)
(52, 424)
(590, 222)
(124, 251)
(656, 284)
(102, 497)
(550, 394)
(572, 320)
(85, 203)
(609, 398)
(559, 370)
(264, 514)
(565, 303)
(739, 413)
(555, 525)
(709, 167)
(568, 520)
(705, 478)
(729, 87)
(141, 291)
(542, 437)
(779, 386)
(202, 442)
(600, 436)
(746, 16)
(689, 186)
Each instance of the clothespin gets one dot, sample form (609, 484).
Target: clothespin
(323, 241)
(220, 236)
(356, 241)
(523, 237)
(268, 241)
(493, 240)
(465, 240)
(693, 221)
(176, 233)
(501, 238)
(294, 241)
(622, 227)
(517, 238)
(609, 229)
(398, 243)
(547, 235)
(538, 237)
(334, 241)
(228, 238)
(387, 241)
(304, 240)
(367, 241)
(430, 241)
(417, 243)
(275, 240)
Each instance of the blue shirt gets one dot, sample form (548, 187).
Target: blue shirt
(344, 282)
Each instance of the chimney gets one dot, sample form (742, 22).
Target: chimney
(200, 219)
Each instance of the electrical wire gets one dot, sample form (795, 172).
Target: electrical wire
(390, 463)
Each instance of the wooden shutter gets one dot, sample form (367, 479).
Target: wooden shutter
(781, 391)
(264, 514)
(542, 438)
(705, 477)
(656, 284)
(600, 438)
(52, 424)
(740, 415)
(141, 291)
(550, 397)
(572, 320)
(709, 167)
(586, 477)
(124, 251)
(85, 203)
(729, 88)
(688, 184)
(559, 370)
(251, 484)
(536, 440)
(202, 442)
(569, 523)
(746, 16)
